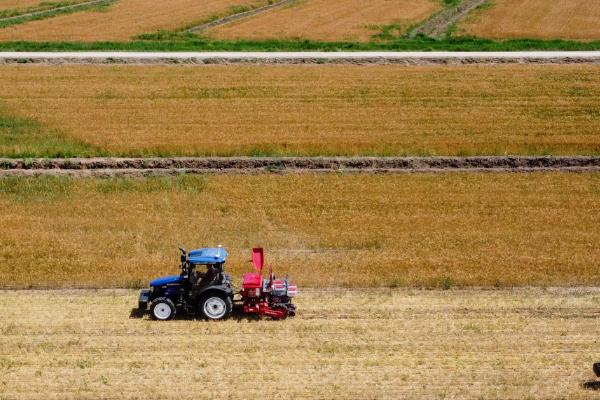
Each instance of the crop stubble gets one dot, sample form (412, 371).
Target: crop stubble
(122, 21)
(532, 343)
(313, 110)
(539, 19)
(430, 230)
(328, 20)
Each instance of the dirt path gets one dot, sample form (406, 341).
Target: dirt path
(53, 10)
(438, 25)
(171, 166)
(314, 57)
(378, 344)
(235, 17)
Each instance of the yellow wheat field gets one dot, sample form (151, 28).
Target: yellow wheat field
(327, 20)
(121, 21)
(325, 230)
(322, 110)
(11, 4)
(542, 19)
(385, 344)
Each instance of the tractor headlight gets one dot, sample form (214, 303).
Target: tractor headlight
(151, 289)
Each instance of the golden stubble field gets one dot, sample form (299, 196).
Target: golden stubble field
(540, 19)
(327, 20)
(313, 110)
(367, 344)
(122, 20)
(432, 230)
(12, 4)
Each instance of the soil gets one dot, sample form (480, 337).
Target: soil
(174, 166)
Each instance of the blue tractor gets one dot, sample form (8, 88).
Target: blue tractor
(208, 293)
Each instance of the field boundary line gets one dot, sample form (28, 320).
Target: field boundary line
(438, 25)
(315, 57)
(238, 16)
(28, 16)
(110, 166)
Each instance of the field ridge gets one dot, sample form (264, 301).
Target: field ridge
(313, 57)
(238, 16)
(175, 165)
(438, 25)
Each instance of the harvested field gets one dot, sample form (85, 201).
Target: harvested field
(122, 21)
(325, 230)
(301, 110)
(12, 4)
(540, 19)
(532, 343)
(327, 20)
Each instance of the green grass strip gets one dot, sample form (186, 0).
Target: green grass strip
(168, 41)
(27, 138)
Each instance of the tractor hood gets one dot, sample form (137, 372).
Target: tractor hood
(167, 280)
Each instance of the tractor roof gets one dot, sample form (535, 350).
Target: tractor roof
(209, 255)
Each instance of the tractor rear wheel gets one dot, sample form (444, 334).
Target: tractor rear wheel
(162, 309)
(215, 306)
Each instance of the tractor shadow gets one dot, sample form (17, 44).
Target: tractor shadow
(591, 385)
(236, 315)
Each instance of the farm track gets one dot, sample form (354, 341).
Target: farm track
(438, 25)
(57, 9)
(237, 17)
(173, 166)
(357, 58)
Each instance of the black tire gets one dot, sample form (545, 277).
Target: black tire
(215, 306)
(162, 309)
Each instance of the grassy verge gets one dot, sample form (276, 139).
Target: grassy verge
(49, 10)
(324, 230)
(168, 41)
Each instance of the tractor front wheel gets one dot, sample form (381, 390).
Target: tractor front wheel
(215, 306)
(162, 309)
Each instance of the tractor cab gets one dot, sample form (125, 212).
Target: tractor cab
(202, 287)
(213, 259)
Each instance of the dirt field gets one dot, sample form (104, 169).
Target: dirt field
(122, 20)
(327, 20)
(304, 110)
(558, 19)
(325, 230)
(533, 343)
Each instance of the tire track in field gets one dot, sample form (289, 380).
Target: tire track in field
(252, 165)
(238, 16)
(438, 25)
(33, 15)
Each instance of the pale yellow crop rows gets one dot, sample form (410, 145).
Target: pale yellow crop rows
(121, 21)
(385, 344)
(314, 110)
(540, 19)
(328, 20)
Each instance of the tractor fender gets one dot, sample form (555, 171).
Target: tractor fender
(220, 289)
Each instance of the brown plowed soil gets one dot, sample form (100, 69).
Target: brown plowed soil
(167, 166)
